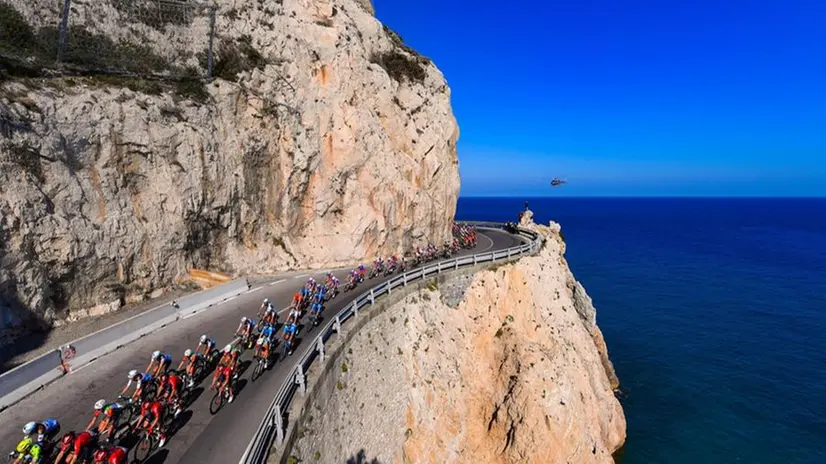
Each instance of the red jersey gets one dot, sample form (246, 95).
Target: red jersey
(82, 440)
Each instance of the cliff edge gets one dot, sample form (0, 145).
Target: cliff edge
(323, 139)
(504, 365)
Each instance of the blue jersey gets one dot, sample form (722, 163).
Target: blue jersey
(145, 379)
(267, 332)
(317, 307)
(290, 329)
(50, 425)
(165, 359)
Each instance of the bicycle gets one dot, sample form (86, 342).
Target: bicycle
(221, 397)
(147, 444)
(197, 371)
(262, 364)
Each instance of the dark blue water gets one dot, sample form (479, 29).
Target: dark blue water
(714, 311)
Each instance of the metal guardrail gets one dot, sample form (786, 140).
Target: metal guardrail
(272, 425)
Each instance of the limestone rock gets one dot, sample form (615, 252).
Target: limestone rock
(514, 374)
(323, 154)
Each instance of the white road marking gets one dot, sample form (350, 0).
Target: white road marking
(255, 289)
(276, 282)
(231, 298)
(301, 276)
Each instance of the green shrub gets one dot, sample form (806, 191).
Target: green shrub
(401, 67)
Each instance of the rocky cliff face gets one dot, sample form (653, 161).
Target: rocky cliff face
(324, 140)
(506, 365)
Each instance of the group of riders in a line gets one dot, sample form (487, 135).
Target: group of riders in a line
(146, 414)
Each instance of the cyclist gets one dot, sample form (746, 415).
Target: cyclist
(295, 314)
(116, 455)
(42, 431)
(207, 343)
(159, 361)
(27, 451)
(225, 371)
(154, 411)
(170, 389)
(141, 381)
(108, 414)
(263, 345)
(289, 332)
(361, 272)
(190, 359)
(77, 448)
(270, 315)
(245, 328)
(311, 284)
(317, 307)
(296, 300)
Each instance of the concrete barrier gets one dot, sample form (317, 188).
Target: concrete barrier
(23, 380)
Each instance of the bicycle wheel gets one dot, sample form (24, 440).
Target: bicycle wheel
(259, 369)
(144, 447)
(217, 403)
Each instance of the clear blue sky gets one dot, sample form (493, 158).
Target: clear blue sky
(630, 97)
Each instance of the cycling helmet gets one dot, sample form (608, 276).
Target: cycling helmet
(24, 445)
(156, 354)
(203, 338)
(100, 455)
(228, 348)
(266, 300)
(243, 320)
(28, 429)
(99, 404)
(133, 373)
(188, 353)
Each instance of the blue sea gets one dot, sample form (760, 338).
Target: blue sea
(714, 311)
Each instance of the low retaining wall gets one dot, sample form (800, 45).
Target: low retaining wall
(25, 379)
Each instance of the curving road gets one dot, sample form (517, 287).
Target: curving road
(202, 437)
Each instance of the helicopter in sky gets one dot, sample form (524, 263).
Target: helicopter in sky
(556, 182)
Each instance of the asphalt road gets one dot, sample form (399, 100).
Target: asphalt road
(201, 437)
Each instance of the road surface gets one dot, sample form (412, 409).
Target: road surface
(202, 437)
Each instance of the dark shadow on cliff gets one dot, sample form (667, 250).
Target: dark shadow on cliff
(31, 334)
(361, 458)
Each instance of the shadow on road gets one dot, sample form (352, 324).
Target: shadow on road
(361, 458)
(157, 458)
(34, 329)
(179, 423)
(239, 385)
(193, 396)
(243, 366)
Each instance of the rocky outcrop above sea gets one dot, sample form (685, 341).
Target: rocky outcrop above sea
(506, 365)
(323, 140)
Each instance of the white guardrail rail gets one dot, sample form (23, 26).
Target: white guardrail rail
(272, 426)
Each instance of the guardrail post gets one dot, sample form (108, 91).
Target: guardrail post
(439, 267)
(372, 297)
(300, 379)
(389, 287)
(319, 346)
(355, 308)
(509, 253)
(278, 423)
(422, 272)
(337, 325)
(456, 261)
(474, 259)
(404, 279)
